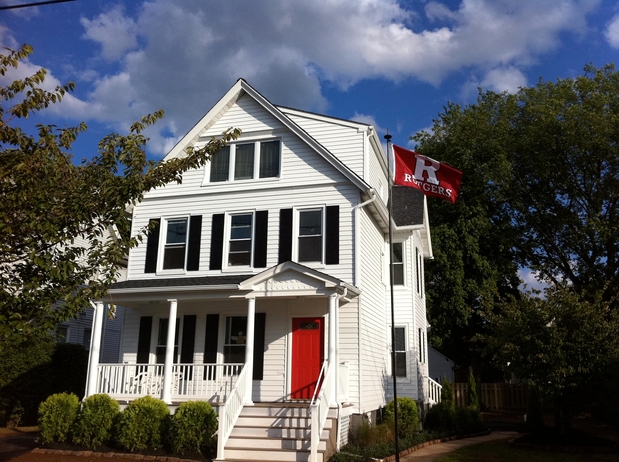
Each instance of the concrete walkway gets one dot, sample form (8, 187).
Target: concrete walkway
(433, 452)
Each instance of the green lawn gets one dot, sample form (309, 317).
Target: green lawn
(502, 451)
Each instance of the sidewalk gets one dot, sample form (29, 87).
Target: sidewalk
(433, 452)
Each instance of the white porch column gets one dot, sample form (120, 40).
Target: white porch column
(95, 348)
(332, 345)
(166, 394)
(249, 349)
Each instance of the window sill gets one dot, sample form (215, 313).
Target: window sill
(223, 184)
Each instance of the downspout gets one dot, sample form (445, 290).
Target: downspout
(357, 273)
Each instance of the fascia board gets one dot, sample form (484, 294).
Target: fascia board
(193, 134)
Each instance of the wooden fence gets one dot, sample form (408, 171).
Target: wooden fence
(495, 396)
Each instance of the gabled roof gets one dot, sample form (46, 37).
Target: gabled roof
(240, 88)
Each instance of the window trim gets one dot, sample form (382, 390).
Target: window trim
(257, 142)
(225, 266)
(296, 223)
(163, 243)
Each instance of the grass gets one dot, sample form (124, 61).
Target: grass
(502, 451)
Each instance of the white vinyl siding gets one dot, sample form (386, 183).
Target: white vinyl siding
(373, 346)
(343, 141)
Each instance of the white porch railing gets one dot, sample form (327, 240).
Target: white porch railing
(230, 411)
(319, 411)
(434, 391)
(209, 382)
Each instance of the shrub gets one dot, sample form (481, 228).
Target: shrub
(471, 393)
(441, 418)
(141, 425)
(408, 415)
(56, 416)
(93, 426)
(468, 420)
(372, 435)
(447, 394)
(193, 426)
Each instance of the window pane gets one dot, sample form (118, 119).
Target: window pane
(397, 252)
(310, 223)
(177, 231)
(162, 340)
(240, 226)
(174, 257)
(400, 364)
(269, 159)
(244, 163)
(310, 248)
(400, 340)
(220, 164)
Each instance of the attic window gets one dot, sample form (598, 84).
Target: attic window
(246, 161)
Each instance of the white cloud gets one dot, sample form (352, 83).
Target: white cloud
(504, 79)
(612, 32)
(113, 31)
(182, 55)
(530, 280)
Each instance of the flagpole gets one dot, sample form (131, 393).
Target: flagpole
(393, 365)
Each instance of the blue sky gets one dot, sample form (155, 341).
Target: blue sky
(393, 64)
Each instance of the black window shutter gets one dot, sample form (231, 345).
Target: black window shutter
(217, 241)
(260, 244)
(193, 252)
(189, 336)
(187, 346)
(332, 247)
(259, 328)
(146, 325)
(285, 235)
(152, 246)
(210, 343)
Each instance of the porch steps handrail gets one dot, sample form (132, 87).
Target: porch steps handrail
(229, 412)
(317, 389)
(320, 410)
(434, 391)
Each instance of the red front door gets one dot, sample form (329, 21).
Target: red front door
(307, 356)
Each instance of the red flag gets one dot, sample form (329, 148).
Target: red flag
(431, 177)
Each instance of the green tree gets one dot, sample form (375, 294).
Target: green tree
(55, 256)
(561, 343)
(473, 240)
(540, 191)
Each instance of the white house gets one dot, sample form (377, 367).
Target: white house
(273, 261)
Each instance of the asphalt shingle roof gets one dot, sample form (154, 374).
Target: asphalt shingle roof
(407, 206)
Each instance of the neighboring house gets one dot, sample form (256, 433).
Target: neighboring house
(441, 367)
(79, 331)
(273, 260)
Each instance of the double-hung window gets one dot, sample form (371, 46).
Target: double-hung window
(398, 263)
(240, 243)
(162, 340)
(246, 161)
(175, 245)
(235, 339)
(400, 352)
(311, 236)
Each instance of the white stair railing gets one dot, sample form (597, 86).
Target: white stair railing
(230, 411)
(319, 411)
(434, 391)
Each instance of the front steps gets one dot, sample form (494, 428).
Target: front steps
(278, 432)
